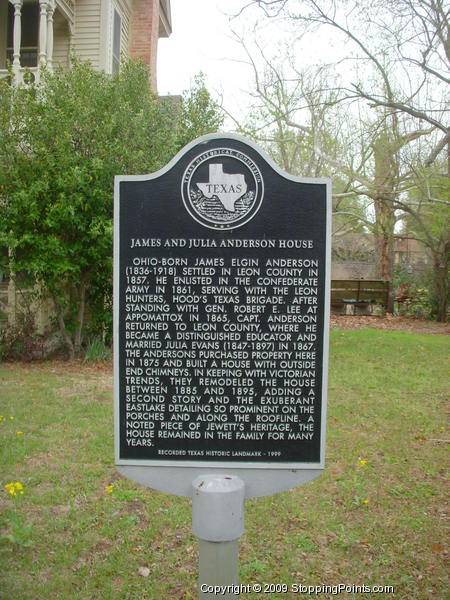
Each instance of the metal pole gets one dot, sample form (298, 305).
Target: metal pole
(218, 522)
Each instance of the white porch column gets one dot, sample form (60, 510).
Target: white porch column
(71, 34)
(17, 35)
(51, 10)
(43, 32)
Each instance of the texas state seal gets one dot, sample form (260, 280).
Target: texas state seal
(222, 188)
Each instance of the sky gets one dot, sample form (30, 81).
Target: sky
(202, 40)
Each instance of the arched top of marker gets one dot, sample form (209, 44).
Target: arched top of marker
(202, 143)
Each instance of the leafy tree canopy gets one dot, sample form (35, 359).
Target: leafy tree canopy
(62, 141)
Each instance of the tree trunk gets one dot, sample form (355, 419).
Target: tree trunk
(385, 176)
(440, 267)
(80, 316)
(62, 327)
(384, 247)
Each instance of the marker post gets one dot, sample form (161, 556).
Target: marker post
(218, 522)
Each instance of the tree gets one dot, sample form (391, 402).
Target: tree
(61, 143)
(426, 217)
(405, 42)
(297, 117)
(199, 114)
(402, 48)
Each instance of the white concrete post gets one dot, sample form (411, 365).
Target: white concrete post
(50, 12)
(43, 33)
(218, 522)
(17, 36)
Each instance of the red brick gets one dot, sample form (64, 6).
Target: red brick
(143, 38)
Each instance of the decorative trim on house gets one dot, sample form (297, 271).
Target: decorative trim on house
(67, 7)
(165, 19)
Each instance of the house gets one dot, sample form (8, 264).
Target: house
(353, 256)
(47, 32)
(35, 33)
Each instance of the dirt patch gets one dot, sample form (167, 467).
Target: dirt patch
(82, 388)
(389, 323)
(93, 555)
(41, 460)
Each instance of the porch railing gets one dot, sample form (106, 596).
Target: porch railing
(32, 71)
(28, 56)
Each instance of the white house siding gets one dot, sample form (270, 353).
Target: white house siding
(61, 38)
(86, 42)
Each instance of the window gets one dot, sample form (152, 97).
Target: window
(117, 27)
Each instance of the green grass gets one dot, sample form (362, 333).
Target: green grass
(379, 523)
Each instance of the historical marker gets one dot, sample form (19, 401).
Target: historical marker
(222, 268)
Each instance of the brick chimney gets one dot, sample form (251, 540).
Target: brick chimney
(144, 27)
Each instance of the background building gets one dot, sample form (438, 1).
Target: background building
(47, 32)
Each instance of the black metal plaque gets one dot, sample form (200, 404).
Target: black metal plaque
(222, 269)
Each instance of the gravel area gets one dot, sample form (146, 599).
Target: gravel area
(389, 322)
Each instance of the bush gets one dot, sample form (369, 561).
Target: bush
(80, 127)
(97, 350)
(19, 341)
(415, 292)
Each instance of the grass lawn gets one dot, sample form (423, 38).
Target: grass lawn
(375, 517)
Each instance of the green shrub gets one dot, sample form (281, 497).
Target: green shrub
(97, 350)
(416, 292)
(20, 341)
